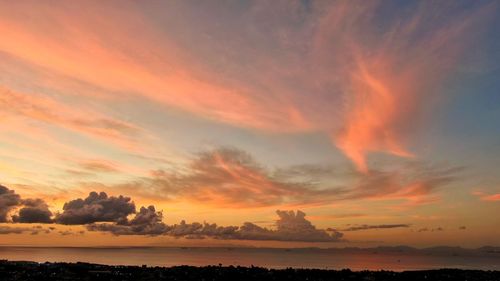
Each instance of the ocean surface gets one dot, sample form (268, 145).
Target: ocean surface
(270, 258)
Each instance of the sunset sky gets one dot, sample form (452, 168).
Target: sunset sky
(375, 122)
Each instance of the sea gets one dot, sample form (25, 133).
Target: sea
(264, 257)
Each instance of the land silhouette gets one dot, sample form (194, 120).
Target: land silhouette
(24, 270)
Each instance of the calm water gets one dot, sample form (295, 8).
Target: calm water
(271, 258)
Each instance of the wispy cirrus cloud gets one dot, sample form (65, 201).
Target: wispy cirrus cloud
(333, 67)
(50, 111)
(392, 76)
(99, 166)
(230, 177)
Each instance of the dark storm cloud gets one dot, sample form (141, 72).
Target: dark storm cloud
(34, 211)
(8, 201)
(96, 208)
(380, 226)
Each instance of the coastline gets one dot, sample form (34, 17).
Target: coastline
(26, 270)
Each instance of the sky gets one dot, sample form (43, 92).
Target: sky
(249, 123)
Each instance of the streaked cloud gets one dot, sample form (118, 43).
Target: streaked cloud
(47, 110)
(98, 166)
(13, 230)
(426, 229)
(230, 177)
(380, 226)
(336, 71)
(34, 230)
(227, 177)
(487, 197)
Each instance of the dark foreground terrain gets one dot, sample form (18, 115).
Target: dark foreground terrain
(26, 271)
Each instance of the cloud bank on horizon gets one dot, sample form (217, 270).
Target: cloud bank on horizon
(97, 210)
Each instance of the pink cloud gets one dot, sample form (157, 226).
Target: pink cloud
(49, 111)
(336, 73)
(487, 197)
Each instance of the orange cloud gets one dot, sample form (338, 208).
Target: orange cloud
(231, 178)
(487, 197)
(50, 111)
(336, 73)
(395, 76)
(87, 54)
(368, 124)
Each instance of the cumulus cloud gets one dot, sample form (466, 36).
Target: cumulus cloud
(96, 208)
(198, 230)
(291, 226)
(8, 201)
(146, 222)
(379, 226)
(34, 211)
(103, 213)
